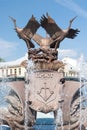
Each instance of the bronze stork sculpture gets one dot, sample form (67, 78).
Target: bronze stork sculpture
(48, 46)
(56, 33)
(28, 31)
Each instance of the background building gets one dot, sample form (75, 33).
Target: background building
(15, 68)
(71, 68)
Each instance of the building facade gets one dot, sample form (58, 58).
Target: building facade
(15, 68)
(71, 68)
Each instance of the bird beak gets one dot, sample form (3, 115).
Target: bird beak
(73, 19)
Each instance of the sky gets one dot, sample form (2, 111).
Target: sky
(12, 48)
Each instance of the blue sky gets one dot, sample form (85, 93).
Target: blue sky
(12, 48)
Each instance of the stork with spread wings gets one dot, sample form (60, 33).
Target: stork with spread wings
(28, 31)
(56, 33)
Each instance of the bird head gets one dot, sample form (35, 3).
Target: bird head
(73, 19)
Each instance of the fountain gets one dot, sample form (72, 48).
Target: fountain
(45, 88)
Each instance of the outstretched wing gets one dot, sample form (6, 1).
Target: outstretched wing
(72, 33)
(30, 29)
(50, 26)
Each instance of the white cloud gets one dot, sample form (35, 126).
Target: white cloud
(70, 4)
(66, 52)
(6, 48)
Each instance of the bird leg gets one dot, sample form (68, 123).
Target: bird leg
(57, 45)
